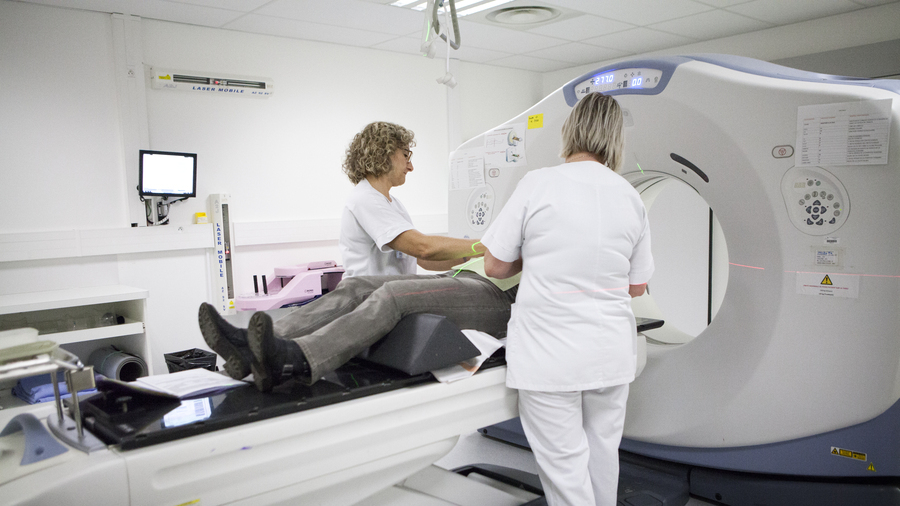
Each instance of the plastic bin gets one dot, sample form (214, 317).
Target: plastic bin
(191, 359)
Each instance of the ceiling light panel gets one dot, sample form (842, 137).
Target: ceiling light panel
(420, 6)
(482, 7)
(465, 3)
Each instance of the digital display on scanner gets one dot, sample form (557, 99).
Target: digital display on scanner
(620, 80)
(605, 78)
(624, 82)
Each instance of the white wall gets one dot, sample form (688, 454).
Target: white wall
(66, 209)
(59, 132)
(490, 96)
(280, 157)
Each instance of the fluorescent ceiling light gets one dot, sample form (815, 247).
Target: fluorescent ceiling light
(421, 7)
(466, 3)
(482, 7)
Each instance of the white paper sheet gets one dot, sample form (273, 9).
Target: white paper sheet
(850, 133)
(467, 169)
(189, 383)
(505, 146)
(485, 343)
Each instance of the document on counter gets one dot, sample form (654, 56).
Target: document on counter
(466, 169)
(189, 383)
(849, 133)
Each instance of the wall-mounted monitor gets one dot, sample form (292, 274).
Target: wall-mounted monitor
(167, 174)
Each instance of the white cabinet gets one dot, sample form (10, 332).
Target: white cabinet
(80, 321)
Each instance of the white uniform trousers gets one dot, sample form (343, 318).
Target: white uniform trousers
(575, 438)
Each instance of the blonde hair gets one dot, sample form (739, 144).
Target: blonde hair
(369, 153)
(595, 126)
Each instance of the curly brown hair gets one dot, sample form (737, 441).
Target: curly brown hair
(369, 153)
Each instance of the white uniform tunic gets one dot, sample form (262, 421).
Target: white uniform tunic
(368, 223)
(583, 235)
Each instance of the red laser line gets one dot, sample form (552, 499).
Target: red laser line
(747, 266)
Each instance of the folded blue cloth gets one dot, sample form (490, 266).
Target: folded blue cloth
(36, 389)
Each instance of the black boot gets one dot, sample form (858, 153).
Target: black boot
(275, 360)
(227, 340)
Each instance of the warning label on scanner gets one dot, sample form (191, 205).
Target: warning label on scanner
(828, 284)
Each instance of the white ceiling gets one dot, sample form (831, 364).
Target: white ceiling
(587, 30)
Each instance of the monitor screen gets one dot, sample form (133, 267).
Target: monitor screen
(167, 174)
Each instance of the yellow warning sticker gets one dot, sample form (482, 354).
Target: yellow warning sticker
(167, 77)
(872, 467)
(841, 452)
(828, 284)
(535, 121)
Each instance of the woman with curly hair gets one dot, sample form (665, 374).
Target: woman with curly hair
(377, 234)
(380, 248)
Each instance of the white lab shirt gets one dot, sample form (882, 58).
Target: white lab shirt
(583, 235)
(368, 223)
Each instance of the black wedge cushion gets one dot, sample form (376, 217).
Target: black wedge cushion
(420, 343)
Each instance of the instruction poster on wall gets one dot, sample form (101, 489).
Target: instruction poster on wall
(505, 146)
(850, 133)
(466, 169)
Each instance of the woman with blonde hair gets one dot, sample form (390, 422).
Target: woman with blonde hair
(578, 232)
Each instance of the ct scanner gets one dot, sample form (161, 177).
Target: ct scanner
(798, 373)
(793, 377)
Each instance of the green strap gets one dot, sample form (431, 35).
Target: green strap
(463, 266)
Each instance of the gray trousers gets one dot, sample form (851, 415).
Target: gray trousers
(363, 309)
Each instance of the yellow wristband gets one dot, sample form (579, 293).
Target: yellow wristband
(473, 247)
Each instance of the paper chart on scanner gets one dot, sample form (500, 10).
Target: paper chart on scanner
(505, 147)
(467, 169)
(849, 133)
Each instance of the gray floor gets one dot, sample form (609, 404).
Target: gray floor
(474, 448)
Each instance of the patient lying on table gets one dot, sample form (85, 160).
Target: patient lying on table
(317, 338)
